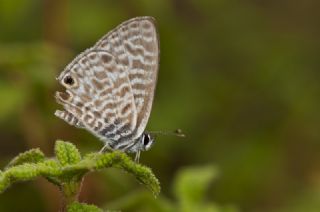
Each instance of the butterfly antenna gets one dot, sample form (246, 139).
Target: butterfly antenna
(177, 132)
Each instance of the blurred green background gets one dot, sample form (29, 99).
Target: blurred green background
(241, 78)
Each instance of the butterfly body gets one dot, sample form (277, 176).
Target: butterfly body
(110, 86)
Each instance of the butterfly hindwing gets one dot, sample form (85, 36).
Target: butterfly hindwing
(100, 96)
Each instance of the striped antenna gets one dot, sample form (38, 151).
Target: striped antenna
(177, 132)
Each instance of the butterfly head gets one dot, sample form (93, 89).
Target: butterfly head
(143, 143)
(146, 141)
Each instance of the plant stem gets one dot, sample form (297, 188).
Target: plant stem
(70, 191)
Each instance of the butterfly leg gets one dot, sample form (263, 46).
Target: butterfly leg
(105, 148)
(136, 159)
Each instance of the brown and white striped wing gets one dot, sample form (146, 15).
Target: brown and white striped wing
(99, 97)
(135, 44)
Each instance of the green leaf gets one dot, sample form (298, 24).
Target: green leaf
(190, 185)
(67, 153)
(143, 174)
(28, 171)
(17, 173)
(120, 160)
(31, 156)
(81, 207)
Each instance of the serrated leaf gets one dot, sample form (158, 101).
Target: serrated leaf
(29, 171)
(142, 173)
(31, 156)
(120, 160)
(22, 172)
(67, 153)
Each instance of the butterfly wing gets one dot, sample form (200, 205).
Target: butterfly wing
(98, 96)
(135, 44)
(69, 118)
(113, 83)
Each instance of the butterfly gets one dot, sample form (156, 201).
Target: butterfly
(110, 86)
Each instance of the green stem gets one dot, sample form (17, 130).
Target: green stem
(70, 191)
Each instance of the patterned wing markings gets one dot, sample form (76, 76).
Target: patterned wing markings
(100, 98)
(135, 44)
(69, 118)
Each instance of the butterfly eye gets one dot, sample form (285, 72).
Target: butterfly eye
(68, 80)
(146, 140)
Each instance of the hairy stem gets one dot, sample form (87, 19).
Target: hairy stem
(70, 191)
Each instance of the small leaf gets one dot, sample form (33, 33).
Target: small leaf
(76, 207)
(143, 174)
(17, 173)
(31, 156)
(191, 183)
(50, 167)
(28, 171)
(121, 160)
(67, 153)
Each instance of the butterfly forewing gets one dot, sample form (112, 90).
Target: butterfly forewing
(136, 45)
(110, 87)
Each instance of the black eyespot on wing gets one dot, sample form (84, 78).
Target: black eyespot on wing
(146, 140)
(68, 80)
